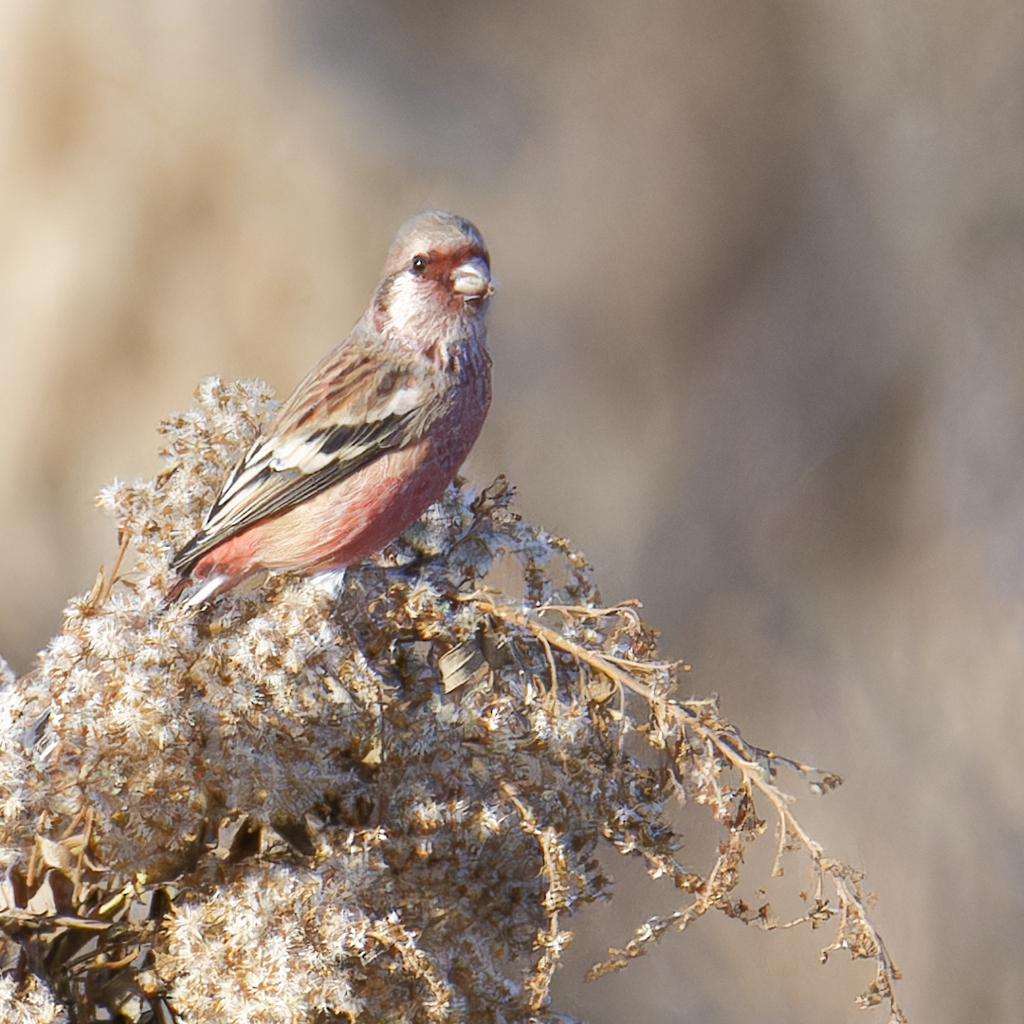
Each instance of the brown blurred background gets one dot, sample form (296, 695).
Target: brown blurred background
(758, 351)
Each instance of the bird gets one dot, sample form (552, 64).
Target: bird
(375, 432)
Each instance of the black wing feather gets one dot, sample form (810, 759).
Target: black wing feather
(368, 441)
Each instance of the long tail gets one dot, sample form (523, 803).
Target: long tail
(214, 584)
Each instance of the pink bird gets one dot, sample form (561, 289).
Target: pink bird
(373, 435)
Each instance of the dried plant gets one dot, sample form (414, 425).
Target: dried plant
(369, 796)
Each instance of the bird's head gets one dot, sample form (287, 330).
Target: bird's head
(436, 282)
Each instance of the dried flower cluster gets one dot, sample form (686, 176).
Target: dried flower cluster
(371, 796)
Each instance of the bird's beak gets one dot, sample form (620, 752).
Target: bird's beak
(472, 279)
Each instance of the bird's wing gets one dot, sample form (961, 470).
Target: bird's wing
(356, 405)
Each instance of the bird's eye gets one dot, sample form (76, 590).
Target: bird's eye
(419, 263)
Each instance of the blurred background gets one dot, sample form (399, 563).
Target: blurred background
(758, 351)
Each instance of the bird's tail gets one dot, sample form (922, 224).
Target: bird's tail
(212, 585)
